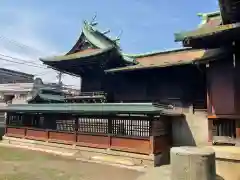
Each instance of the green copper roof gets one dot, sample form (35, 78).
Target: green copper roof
(77, 56)
(141, 67)
(175, 58)
(46, 98)
(200, 32)
(45, 94)
(205, 17)
(92, 108)
(208, 21)
(97, 38)
(103, 44)
(102, 47)
(154, 53)
(209, 14)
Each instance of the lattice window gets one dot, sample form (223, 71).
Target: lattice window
(65, 125)
(224, 128)
(128, 127)
(15, 120)
(93, 125)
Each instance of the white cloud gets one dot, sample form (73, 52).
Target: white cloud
(21, 37)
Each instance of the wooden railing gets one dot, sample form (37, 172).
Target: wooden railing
(131, 134)
(139, 145)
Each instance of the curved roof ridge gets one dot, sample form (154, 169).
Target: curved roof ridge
(96, 37)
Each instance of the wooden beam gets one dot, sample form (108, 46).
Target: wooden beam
(226, 116)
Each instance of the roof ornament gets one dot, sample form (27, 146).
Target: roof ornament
(93, 21)
(118, 37)
(106, 32)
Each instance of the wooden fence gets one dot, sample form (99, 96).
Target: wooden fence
(144, 135)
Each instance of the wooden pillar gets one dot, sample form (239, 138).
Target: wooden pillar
(193, 163)
(110, 128)
(6, 122)
(76, 128)
(151, 134)
(237, 128)
(6, 116)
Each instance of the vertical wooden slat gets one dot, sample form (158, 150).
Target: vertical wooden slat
(6, 122)
(47, 134)
(76, 127)
(152, 144)
(109, 131)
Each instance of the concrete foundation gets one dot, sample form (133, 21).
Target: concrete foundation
(134, 160)
(190, 130)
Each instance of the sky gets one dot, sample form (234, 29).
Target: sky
(30, 29)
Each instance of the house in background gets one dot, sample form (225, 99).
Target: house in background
(10, 83)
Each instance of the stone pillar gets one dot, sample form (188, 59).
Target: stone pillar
(192, 163)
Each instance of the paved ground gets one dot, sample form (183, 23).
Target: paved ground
(19, 164)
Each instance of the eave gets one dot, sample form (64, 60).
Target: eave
(142, 67)
(92, 108)
(211, 37)
(76, 56)
(79, 64)
(173, 58)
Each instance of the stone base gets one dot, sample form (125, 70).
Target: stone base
(227, 165)
(129, 160)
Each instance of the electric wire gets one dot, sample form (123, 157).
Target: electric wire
(15, 58)
(22, 63)
(21, 45)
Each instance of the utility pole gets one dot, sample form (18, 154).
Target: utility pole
(59, 78)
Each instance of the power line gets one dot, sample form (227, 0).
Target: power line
(19, 59)
(21, 45)
(23, 63)
(39, 74)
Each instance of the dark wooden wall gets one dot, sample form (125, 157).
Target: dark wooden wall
(180, 84)
(224, 87)
(220, 76)
(92, 83)
(237, 83)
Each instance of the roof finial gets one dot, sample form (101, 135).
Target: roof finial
(118, 37)
(94, 17)
(120, 34)
(93, 22)
(106, 32)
